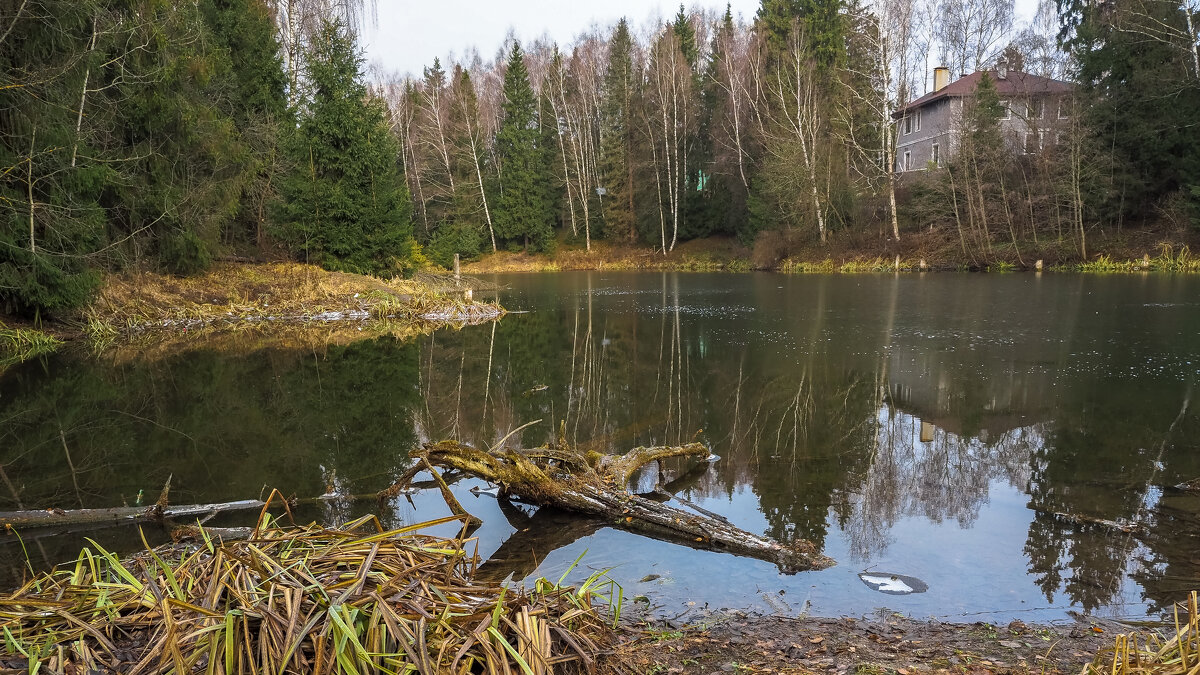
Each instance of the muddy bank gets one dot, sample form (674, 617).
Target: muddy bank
(883, 643)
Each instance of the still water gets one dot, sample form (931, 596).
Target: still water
(927, 426)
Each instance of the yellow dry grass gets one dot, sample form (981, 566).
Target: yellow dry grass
(238, 289)
(1177, 653)
(355, 599)
(266, 298)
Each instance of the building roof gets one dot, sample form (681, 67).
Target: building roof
(1017, 83)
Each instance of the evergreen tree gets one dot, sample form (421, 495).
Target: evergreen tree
(345, 206)
(523, 214)
(617, 134)
(687, 38)
(258, 103)
(821, 21)
(1140, 90)
(553, 181)
(50, 213)
(724, 138)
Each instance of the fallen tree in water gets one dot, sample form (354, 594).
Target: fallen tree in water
(596, 485)
(119, 514)
(352, 599)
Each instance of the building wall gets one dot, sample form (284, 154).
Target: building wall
(1023, 128)
(916, 138)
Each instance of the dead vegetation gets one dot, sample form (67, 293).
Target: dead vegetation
(353, 599)
(267, 298)
(1153, 653)
(596, 486)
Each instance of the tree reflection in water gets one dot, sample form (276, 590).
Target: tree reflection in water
(841, 406)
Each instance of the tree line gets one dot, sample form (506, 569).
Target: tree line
(164, 134)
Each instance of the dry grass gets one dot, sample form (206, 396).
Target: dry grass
(355, 599)
(715, 254)
(1152, 653)
(233, 294)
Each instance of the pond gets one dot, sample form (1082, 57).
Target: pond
(963, 445)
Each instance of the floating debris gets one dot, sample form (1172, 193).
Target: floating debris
(893, 584)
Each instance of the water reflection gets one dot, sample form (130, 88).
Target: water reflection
(932, 426)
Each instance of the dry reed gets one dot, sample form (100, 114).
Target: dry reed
(1152, 653)
(355, 599)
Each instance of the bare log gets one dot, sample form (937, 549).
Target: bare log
(601, 492)
(121, 514)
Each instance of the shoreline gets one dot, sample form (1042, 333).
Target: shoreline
(257, 303)
(1134, 252)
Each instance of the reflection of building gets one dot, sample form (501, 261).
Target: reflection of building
(955, 398)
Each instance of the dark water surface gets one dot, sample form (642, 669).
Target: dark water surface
(926, 426)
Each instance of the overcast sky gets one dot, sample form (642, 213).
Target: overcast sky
(410, 33)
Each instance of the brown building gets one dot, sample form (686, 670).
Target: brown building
(1036, 110)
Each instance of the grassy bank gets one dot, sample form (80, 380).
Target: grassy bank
(365, 600)
(250, 306)
(1112, 251)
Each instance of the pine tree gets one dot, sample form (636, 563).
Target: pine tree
(345, 206)
(617, 136)
(523, 215)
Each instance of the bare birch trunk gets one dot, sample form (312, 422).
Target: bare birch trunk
(83, 94)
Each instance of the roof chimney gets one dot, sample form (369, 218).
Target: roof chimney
(941, 78)
(1002, 68)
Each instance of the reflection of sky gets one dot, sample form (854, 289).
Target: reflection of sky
(925, 426)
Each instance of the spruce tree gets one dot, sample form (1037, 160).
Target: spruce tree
(257, 100)
(617, 136)
(1140, 95)
(345, 206)
(523, 215)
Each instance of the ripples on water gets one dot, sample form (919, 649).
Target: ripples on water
(924, 426)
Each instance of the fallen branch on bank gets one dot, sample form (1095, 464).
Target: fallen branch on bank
(354, 599)
(596, 485)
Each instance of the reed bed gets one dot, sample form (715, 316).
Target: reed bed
(356, 599)
(1153, 653)
(22, 344)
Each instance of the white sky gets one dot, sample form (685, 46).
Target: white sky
(410, 33)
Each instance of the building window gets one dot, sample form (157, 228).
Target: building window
(935, 155)
(1037, 108)
(1005, 110)
(907, 160)
(1064, 108)
(908, 124)
(918, 121)
(1033, 142)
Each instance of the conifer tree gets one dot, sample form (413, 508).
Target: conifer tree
(523, 214)
(258, 103)
(345, 206)
(1138, 63)
(617, 136)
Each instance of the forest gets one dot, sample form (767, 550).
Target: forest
(167, 135)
